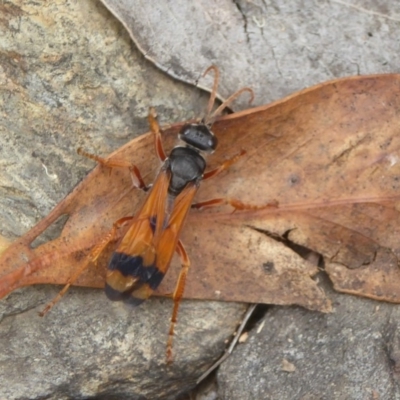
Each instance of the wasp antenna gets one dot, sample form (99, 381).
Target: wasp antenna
(214, 90)
(229, 100)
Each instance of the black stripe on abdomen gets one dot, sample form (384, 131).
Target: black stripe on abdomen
(126, 297)
(132, 266)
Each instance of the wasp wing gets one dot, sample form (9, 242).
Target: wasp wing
(143, 256)
(134, 261)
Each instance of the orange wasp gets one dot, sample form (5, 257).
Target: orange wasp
(144, 253)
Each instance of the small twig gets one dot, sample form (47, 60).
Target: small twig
(365, 10)
(228, 352)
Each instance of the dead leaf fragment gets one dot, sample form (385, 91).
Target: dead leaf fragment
(329, 155)
(287, 366)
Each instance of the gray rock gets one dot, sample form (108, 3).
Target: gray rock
(352, 353)
(275, 47)
(90, 347)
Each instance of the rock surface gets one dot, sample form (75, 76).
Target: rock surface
(352, 353)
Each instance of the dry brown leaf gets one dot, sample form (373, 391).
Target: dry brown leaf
(4, 243)
(329, 155)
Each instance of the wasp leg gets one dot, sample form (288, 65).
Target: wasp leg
(92, 257)
(177, 296)
(223, 166)
(137, 179)
(155, 128)
(236, 204)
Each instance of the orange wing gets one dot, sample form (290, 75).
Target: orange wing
(144, 254)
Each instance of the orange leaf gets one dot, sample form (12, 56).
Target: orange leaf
(329, 155)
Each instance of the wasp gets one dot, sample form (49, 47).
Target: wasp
(143, 255)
